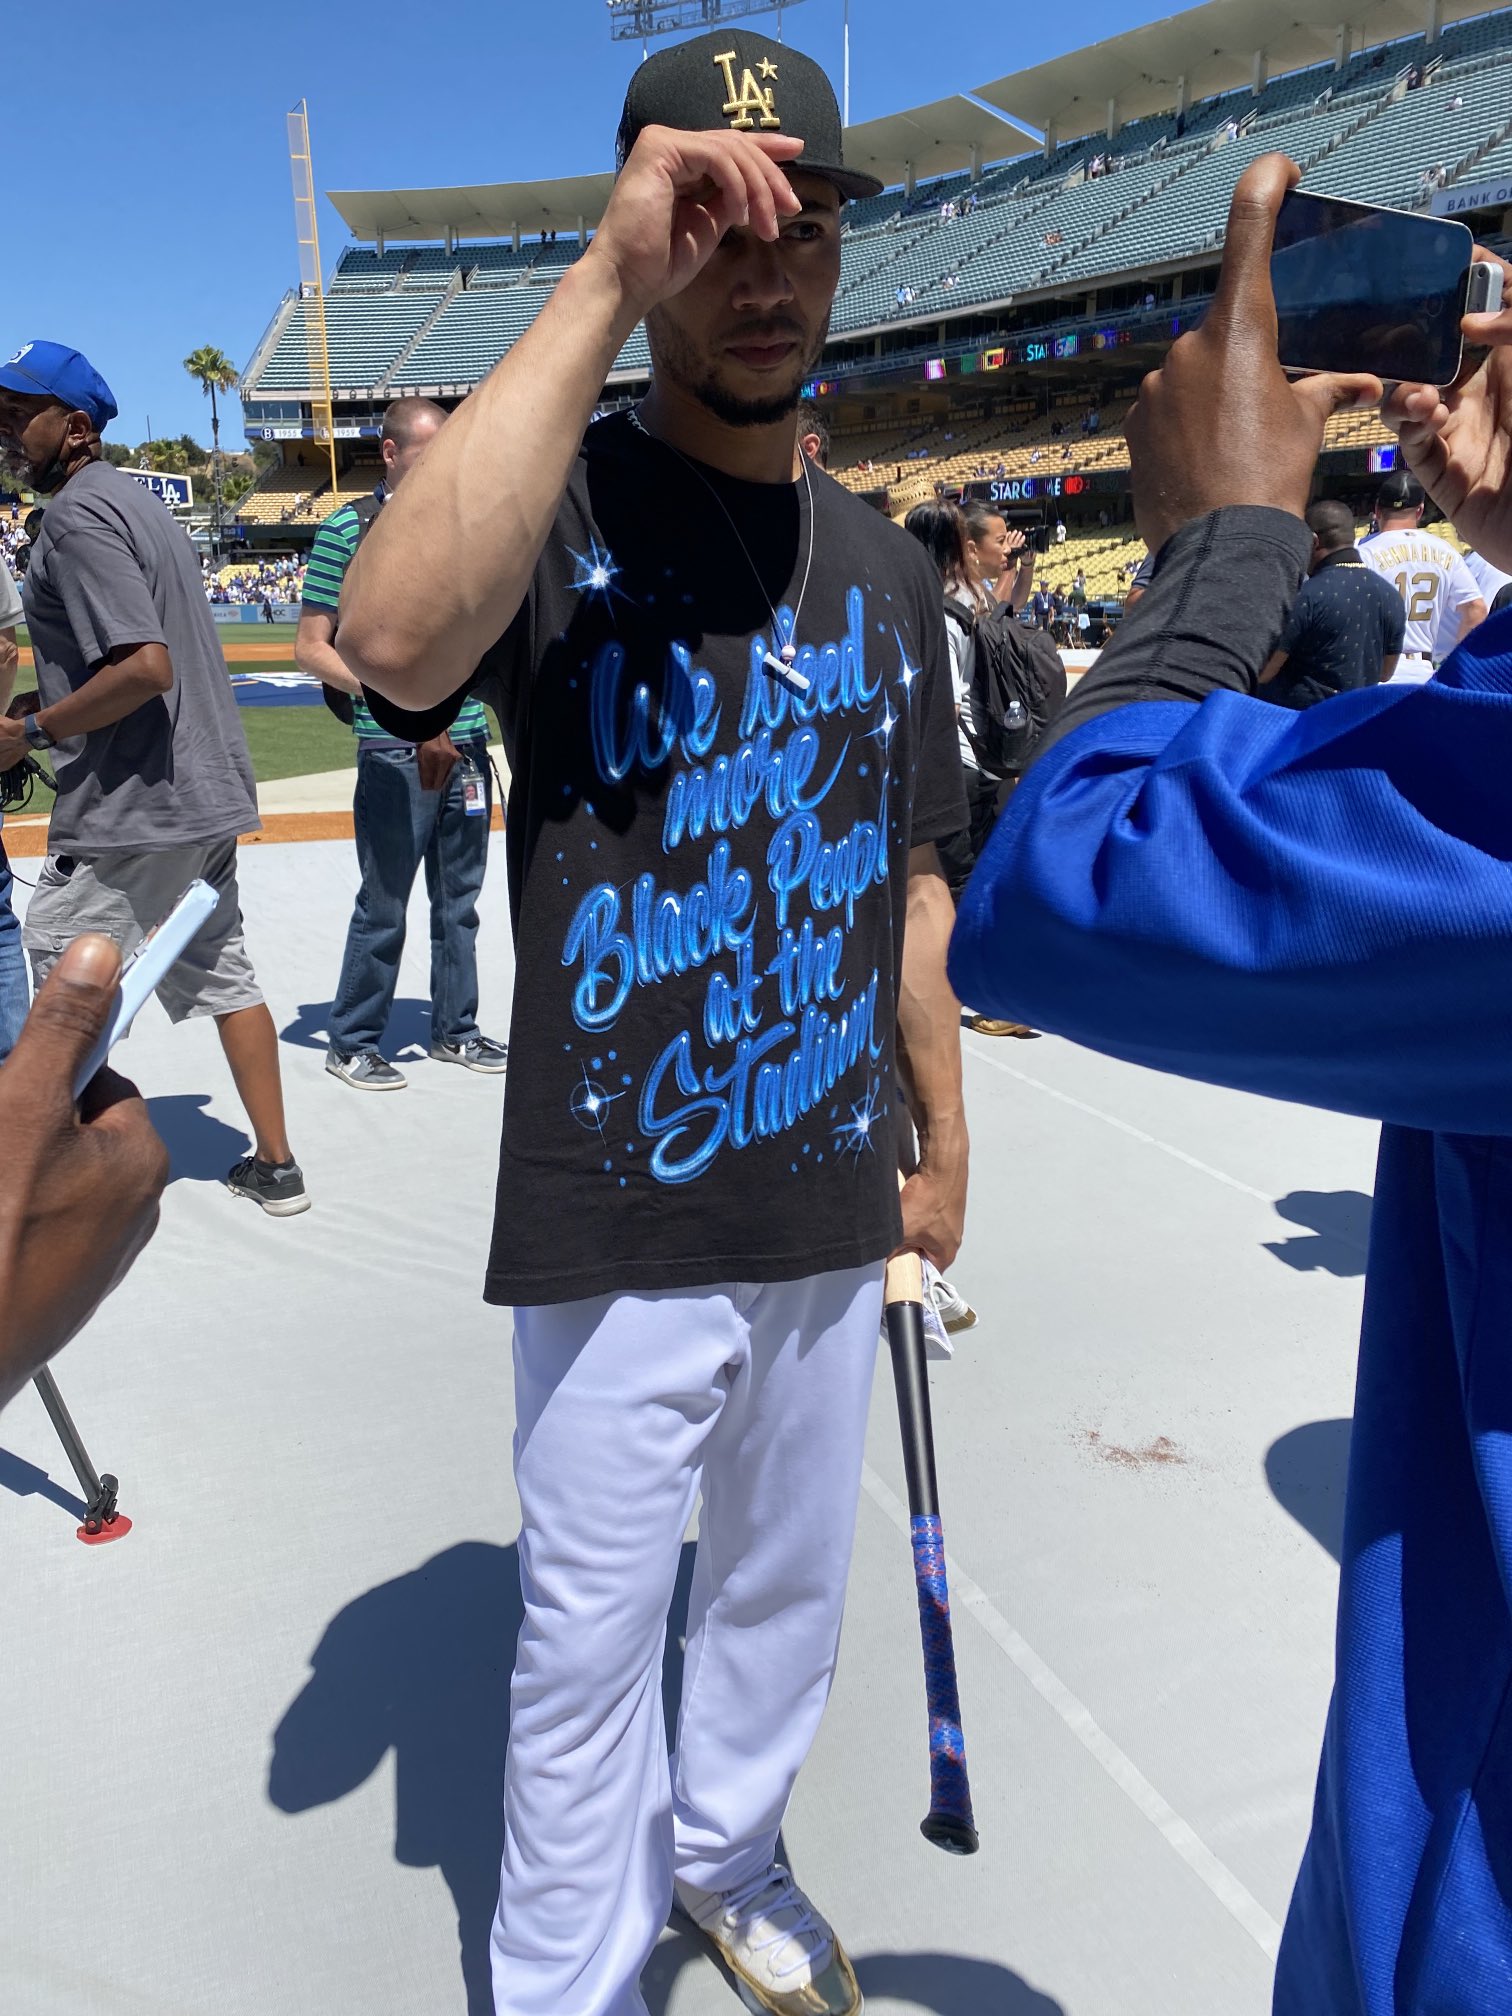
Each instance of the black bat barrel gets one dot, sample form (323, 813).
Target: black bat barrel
(905, 1337)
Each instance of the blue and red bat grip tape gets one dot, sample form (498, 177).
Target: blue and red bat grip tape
(950, 1793)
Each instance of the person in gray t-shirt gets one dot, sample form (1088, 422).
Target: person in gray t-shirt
(111, 572)
(134, 702)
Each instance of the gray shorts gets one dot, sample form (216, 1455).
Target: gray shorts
(126, 896)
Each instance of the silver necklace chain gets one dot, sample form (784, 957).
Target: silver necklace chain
(787, 650)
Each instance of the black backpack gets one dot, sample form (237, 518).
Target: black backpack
(1018, 686)
(340, 704)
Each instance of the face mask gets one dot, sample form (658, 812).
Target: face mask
(50, 476)
(53, 474)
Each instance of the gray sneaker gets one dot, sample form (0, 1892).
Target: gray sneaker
(366, 1071)
(478, 1053)
(278, 1187)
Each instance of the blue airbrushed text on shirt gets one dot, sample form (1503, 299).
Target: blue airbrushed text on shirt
(792, 1025)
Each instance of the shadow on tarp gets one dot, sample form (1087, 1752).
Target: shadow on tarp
(26, 1480)
(949, 1984)
(1339, 1232)
(201, 1149)
(421, 1666)
(1306, 1469)
(408, 1033)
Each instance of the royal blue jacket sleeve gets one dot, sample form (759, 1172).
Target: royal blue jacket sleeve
(1317, 906)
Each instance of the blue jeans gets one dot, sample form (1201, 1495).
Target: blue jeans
(398, 826)
(14, 999)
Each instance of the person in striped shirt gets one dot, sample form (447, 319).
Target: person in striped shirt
(428, 801)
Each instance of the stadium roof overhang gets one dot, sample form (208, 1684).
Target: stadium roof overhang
(1201, 53)
(944, 138)
(488, 210)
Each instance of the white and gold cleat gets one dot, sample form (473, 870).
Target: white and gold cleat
(784, 1956)
(949, 1304)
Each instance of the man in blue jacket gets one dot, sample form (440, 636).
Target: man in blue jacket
(1318, 906)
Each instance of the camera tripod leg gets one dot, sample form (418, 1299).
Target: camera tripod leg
(102, 1521)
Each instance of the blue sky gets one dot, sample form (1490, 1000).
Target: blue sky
(150, 208)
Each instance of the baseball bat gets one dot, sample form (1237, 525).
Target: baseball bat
(949, 1823)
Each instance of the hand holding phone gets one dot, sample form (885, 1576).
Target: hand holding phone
(145, 969)
(1457, 440)
(80, 1184)
(1219, 423)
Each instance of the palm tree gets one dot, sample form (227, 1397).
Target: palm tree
(214, 372)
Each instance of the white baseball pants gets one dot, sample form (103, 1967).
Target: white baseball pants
(627, 1408)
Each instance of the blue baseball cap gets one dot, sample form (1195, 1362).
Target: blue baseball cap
(52, 370)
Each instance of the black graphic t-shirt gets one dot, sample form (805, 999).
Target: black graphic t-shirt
(708, 872)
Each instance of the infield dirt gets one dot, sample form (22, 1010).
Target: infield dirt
(236, 650)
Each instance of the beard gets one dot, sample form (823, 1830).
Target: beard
(46, 476)
(673, 354)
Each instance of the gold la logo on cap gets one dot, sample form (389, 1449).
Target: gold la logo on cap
(748, 98)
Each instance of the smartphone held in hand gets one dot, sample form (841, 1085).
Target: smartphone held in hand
(160, 950)
(1359, 288)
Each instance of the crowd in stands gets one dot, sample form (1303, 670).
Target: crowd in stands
(1079, 430)
(266, 582)
(13, 537)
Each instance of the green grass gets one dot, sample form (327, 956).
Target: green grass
(296, 741)
(287, 741)
(284, 741)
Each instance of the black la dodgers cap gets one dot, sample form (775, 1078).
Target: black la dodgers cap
(733, 81)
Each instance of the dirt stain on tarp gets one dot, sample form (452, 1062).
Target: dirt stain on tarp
(1159, 1454)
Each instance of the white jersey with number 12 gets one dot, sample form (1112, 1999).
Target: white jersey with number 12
(1434, 583)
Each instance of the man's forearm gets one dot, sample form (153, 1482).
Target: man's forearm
(10, 659)
(1471, 614)
(325, 663)
(1014, 588)
(447, 565)
(929, 1027)
(1208, 621)
(110, 694)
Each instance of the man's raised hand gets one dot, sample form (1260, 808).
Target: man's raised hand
(1458, 443)
(1219, 423)
(676, 197)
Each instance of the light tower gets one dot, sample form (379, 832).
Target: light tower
(312, 287)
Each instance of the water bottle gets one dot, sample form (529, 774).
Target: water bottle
(1015, 717)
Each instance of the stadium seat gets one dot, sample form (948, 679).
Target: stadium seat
(1386, 161)
(365, 335)
(1041, 230)
(360, 268)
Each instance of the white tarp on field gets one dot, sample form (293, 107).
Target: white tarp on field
(252, 1751)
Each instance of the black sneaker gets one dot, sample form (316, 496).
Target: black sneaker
(478, 1053)
(278, 1187)
(365, 1071)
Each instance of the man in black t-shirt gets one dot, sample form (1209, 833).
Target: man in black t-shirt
(1345, 628)
(724, 692)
